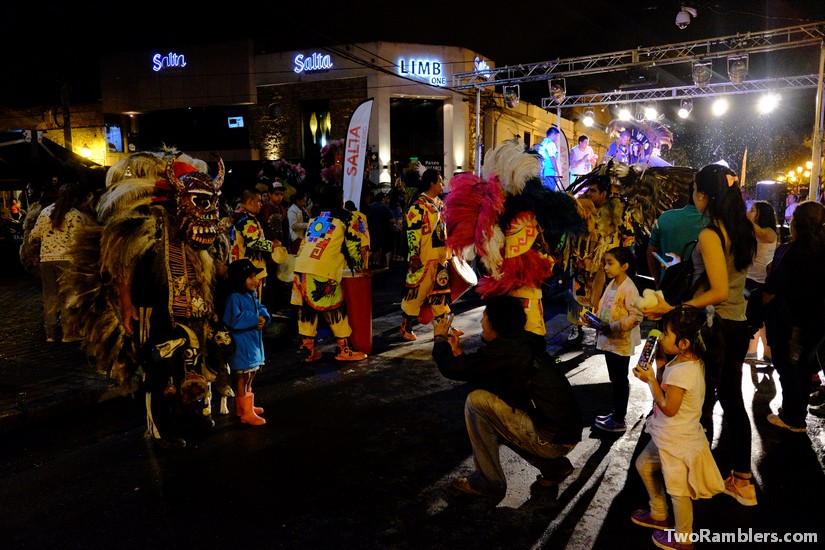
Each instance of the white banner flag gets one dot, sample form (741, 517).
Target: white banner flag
(355, 152)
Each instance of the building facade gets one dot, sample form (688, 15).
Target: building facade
(249, 106)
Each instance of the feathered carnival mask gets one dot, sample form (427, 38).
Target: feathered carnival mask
(194, 195)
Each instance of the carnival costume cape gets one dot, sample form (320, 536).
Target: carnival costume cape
(639, 194)
(515, 225)
(156, 221)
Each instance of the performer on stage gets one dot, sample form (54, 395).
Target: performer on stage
(549, 151)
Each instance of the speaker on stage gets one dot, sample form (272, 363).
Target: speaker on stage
(774, 192)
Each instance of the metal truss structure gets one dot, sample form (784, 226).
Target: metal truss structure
(680, 92)
(701, 50)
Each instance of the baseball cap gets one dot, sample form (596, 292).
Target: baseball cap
(243, 268)
(278, 186)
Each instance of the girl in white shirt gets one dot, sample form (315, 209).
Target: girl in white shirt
(619, 333)
(679, 452)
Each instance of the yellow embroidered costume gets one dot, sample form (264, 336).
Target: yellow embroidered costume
(330, 246)
(427, 282)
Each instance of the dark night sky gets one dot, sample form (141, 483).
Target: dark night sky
(54, 39)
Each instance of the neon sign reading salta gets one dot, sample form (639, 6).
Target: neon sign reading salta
(312, 62)
(160, 62)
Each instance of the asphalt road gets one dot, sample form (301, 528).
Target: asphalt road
(361, 455)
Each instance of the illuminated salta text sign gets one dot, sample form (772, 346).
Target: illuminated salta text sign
(312, 63)
(160, 62)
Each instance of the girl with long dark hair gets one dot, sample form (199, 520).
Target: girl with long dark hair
(763, 218)
(795, 308)
(724, 253)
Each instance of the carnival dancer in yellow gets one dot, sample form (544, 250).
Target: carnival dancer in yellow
(428, 282)
(249, 240)
(330, 245)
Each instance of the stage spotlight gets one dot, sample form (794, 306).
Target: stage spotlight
(768, 102)
(685, 107)
(588, 118)
(624, 114)
(737, 68)
(651, 113)
(512, 96)
(701, 74)
(558, 89)
(720, 107)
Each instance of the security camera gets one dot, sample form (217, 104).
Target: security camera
(683, 17)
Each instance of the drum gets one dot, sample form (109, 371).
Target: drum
(462, 277)
(286, 270)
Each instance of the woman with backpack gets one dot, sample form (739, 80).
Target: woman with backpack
(724, 253)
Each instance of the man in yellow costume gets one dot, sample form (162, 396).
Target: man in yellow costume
(427, 284)
(329, 246)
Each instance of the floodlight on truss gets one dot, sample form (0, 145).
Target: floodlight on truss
(588, 118)
(558, 89)
(737, 68)
(685, 107)
(701, 74)
(768, 102)
(512, 96)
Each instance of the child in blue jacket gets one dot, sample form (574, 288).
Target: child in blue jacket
(245, 317)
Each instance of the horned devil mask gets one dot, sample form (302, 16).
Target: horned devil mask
(196, 197)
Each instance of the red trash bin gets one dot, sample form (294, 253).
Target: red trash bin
(357, 289)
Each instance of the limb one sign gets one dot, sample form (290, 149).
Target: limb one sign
(431, 70)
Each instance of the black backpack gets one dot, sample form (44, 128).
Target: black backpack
(677, 281)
